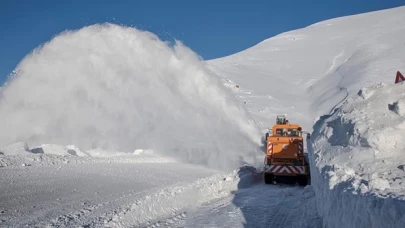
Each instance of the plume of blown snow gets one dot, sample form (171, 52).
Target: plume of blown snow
(118, 88)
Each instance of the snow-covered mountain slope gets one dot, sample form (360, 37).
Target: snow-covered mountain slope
(118, 88)
(359, 159)
(306, 72)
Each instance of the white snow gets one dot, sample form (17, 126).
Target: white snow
(177, 202)
(117, 88)
(76, 191)
(103, 126)
(18, 148)
(305, 73)
(102, 116)
(359, 159)
(257, 206)
(59, 150)
(48, 190)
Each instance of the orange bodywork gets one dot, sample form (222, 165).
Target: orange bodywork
(285, 151)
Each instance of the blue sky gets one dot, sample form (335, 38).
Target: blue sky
(212, 28)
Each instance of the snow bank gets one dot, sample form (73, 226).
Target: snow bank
(172, 203)
(61, 156)
(358, 160)
(118, 88)
(20, 153)
(19, 148)
(59, 150)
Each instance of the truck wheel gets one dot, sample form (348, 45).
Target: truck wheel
(268, 178)
(302, 180)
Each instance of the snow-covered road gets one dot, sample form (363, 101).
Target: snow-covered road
(40, 190)
(89, 193)
(258, 206)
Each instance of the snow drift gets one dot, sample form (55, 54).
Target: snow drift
(359, 160)
(118, 88)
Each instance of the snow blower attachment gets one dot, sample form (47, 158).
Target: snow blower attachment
(285, 158)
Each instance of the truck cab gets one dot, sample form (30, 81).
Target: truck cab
(285, 152)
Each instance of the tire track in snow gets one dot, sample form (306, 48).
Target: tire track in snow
(258, 206)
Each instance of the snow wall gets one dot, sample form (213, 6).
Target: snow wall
(118, 88)
(357, 159)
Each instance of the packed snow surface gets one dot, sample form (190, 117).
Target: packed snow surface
(257, 206)
(117, 88)
(41, 190)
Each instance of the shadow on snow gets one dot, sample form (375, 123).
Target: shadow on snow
(279, 205)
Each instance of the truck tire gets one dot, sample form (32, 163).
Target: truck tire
(268, 178)
(302, 180)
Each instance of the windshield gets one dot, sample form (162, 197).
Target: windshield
(287, 132)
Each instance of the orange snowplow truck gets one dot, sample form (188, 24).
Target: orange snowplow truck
(285, 158)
